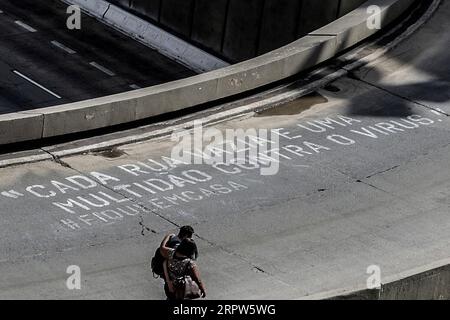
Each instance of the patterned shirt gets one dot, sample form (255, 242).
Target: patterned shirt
(179, 267)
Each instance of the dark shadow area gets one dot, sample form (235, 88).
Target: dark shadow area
(425, 59)
(237, 30)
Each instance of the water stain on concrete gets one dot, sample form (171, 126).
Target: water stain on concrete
(294, 107)
(111, 153)
(332, 88)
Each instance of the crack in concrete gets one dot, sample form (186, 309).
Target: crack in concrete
(253, 266)
(153, 211)
(231, 252)
(144, 227)
(356, 180)
(258, 270)
(383, 171)
(142, 206)
(374, 187)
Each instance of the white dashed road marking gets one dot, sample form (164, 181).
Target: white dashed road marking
(102, 69)
(37, 84)
(25, 26)
(63, 47)
(134, 86)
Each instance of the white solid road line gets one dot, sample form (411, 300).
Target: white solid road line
(37, 84)
(25, 26)
(102, 69)
(62, 47)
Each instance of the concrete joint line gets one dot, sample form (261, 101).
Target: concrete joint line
(107, 9)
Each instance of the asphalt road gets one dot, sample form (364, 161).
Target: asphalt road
(363, 180)
(43, 63)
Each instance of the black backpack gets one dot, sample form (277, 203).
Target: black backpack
(157, 263)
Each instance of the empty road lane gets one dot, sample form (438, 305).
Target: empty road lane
(43, 63)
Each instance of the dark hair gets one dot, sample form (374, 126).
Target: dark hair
(187, 248)
(186, 232)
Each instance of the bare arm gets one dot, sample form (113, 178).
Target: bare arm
(166, 274)
(163, 247)
(196, 277)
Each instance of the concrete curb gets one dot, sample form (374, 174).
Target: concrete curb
(178, 95)
(150, 35)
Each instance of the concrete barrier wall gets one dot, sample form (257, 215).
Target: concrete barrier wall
(281, 63)
(346, 37)
(20, 126)
(238, 30)
(429, 283)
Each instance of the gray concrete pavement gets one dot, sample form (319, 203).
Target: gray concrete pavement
(371, 187)
(69, 65)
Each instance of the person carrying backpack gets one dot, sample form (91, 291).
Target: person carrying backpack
(181, 272)
(157, 263)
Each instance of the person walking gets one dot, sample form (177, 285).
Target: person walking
(181, 273)
(157, 264)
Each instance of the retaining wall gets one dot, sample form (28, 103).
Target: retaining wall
(238, 30)
(428, 283)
